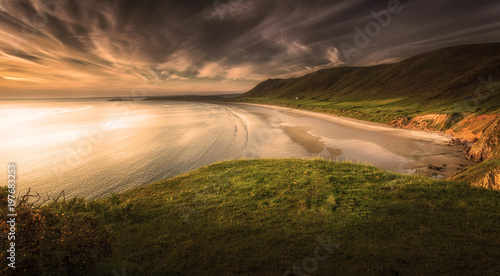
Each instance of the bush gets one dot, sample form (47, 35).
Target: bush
(54, 241)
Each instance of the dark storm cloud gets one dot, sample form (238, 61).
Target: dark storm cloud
(121, 42)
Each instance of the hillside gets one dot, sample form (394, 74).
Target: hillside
(264, 217)
(453, 90)
(267, 217)
(437, 80)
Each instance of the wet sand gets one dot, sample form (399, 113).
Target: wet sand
(299, 135)
(339, 138)
(312, 143)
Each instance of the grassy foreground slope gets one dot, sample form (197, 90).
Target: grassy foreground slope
(265, 217)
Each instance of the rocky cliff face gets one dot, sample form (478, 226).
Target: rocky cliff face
(428, 122)
(472, 127)
(481, 133)
(488, 144)
(491, 180)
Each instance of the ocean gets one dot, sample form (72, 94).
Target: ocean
(92, 148)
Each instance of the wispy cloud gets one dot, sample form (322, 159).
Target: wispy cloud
(198, 45)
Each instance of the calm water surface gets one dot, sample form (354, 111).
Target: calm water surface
(93, 147)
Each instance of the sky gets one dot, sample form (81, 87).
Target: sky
(69, 48)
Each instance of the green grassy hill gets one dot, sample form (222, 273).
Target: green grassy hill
(434, 82)
(263, 217)
(460, 85)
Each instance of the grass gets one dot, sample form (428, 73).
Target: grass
(476, 172)
(376, 110)
(379, 111)
(262, 217)
(461, 79)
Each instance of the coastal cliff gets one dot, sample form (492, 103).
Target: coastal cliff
(452, 90)
(481, 134)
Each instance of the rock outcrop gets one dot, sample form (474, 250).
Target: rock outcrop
(491, 180)
(472, 127)
(428, 122)
(481, 134)
(487, 145)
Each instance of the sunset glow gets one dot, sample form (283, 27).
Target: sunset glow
(109, 48)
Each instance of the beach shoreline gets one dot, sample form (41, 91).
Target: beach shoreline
(431, 155)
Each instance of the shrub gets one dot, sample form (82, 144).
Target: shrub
(54, 241)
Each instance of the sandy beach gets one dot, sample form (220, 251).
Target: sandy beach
(338, 138)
